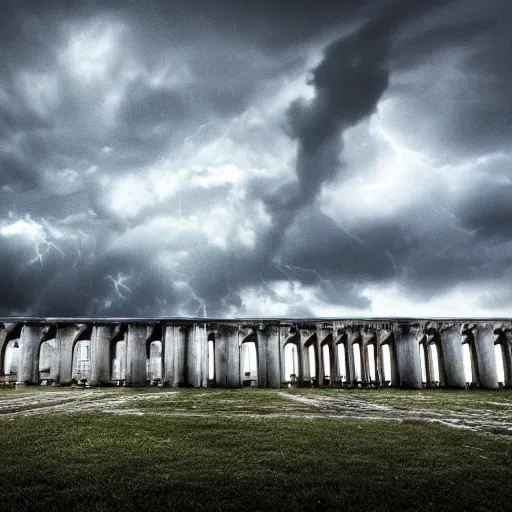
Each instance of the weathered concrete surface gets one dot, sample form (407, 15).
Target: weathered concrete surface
(407, 354)
(100, 354)
(484, 345)
(185, 353)
(136, 355)
(175, 355)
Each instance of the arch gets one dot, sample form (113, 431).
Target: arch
(371, 361)
(469, 360)
(310, 360)
(211, 358)
(326, 363)
(387, 364)
(81, 368)
(500, 357)
(249, 362)
(10, 352)
(154, 361)
(11, 357)
(434, 356)
(118, 370)
(118, 354)
(341, 350)
(291, 362)
(423, 362)
(358, 367)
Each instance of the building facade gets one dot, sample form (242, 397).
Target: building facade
(268, 353)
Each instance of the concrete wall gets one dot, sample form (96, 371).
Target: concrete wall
(185, 349)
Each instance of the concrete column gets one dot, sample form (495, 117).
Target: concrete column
(197, 356)
(507, 349)
(65, 338)
(451, 344)
(270, 354)
(408, 354)
(100, 354)
(486, 361)
(54, 361)
(353, 336)
(3, 337)
(136, 373)
(175, 355)
(320, 370)
(29, 342)
(232, 355)
(261, 350)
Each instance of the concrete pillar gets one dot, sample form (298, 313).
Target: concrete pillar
(227, 356)
(65, 338)
(353, 336)
(451, 344)
(507, 346)
(408, 354)
(486, 361)
(29, 342)
(231, 336)
(175, 346)
(197, 356)
(100, 354)
(136, 373)
(319, 343)
(269, 371)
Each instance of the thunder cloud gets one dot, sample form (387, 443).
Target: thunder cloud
(231, 158)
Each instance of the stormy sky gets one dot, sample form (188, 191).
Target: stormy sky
(235, 158)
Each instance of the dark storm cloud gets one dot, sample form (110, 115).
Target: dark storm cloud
(348, 83)
(175, 76)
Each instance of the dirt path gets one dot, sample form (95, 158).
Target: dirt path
(489, 421)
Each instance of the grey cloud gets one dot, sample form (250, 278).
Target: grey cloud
(232, 57)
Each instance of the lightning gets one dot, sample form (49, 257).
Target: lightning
(36, 233)
(197, 132)
(118, 283)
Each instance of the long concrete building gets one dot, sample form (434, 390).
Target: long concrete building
(269, 353)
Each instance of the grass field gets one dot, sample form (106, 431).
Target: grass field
(252, 450)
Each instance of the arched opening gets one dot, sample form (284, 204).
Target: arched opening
(326, 362)
(249, 366)
(81, 360)
(154, 366)
(44, 357)
(312, 361)
(291, 363)
(211, 357)
(467, 362)
(46, 351)
(435, 364)
(356, 350)
(118, 370)
(386, 363)
(423, 363)
(372, 370)
(501, 368)
(342, 362)
(11, 357)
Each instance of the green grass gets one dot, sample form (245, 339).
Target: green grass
(439, 399)
(221, 401)
(99, 462)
